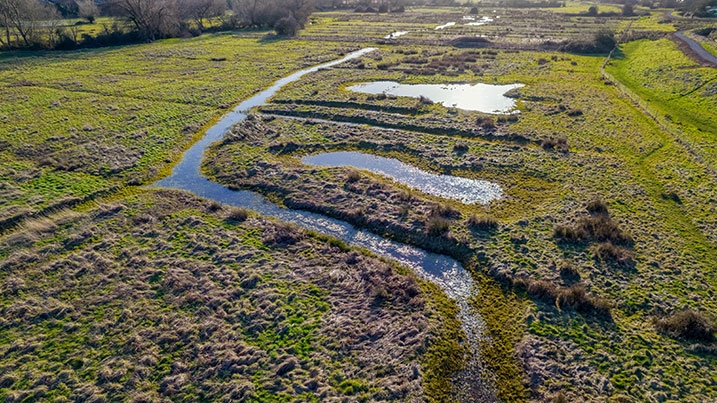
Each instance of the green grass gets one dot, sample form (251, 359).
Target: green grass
(616, 153)
(677, 88)
(105, 303)
(75, 123)
(221, 311)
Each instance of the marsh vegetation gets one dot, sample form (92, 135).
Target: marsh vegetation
(594, 270)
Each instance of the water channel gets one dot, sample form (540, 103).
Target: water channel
(447, 273)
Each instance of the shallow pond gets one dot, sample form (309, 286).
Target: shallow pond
(482, 21)
(446, 25)
(451, 187)
(395, 34)
(486, 98)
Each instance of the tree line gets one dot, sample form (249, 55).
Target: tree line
(39, 23)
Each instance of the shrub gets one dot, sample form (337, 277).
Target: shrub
(687, 324)
(568, 271)
(542, 289)
(237, 214)
(485, 122)
(602, 41)
(282, 234)
(671, 195)
(577, 298)
(560, 143)
(445, 211)
(597, 227)
(214, 206)
(483, 222)
(353, 176)
(438, 225)
(287, 26)
(568, 234)
(597, 206)
(422, 100)
(460, 147)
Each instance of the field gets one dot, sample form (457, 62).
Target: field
(165, 296)
(595, 271)
(82, 125)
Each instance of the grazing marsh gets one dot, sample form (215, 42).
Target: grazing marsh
(594, 271)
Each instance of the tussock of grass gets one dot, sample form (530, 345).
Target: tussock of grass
(597, 227)
(689, 325)
(574, 297)
(483, 222)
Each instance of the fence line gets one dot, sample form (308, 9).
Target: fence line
(664, 122)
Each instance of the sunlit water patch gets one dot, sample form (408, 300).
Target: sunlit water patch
(482, 21)
(446, 25)
(451, 187)
(396, 34)
(486, 98)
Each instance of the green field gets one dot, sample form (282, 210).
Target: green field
(80, 123)
(600, 250)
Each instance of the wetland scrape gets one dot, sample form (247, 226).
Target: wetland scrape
(486, 98)
(446, 272)
(451, 187)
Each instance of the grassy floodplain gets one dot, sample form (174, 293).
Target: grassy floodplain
(79, 123)
(616, 153)
(164, 296)
(606, 231)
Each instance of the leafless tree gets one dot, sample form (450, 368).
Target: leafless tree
(153, 19)
(23, 19)
(88, 10)
(199, 10)
(265, 13)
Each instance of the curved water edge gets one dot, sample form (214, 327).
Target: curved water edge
(480, 97)
(446, 25)
(444, 271)
(465, 190)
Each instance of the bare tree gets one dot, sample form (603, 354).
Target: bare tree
(88, 10)
(199, 10)
(23, 18)
(153, 18)
(248, 11)
(266, 13)
(51, 20)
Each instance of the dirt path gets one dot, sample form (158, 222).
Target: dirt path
(694, 50)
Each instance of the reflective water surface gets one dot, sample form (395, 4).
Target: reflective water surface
(446, 25)
(451, 187)
(486, 98)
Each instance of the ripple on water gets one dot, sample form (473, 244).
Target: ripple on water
(451, 187)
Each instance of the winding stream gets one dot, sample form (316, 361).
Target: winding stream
(453, 279)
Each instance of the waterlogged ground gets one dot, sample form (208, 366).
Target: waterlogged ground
(566, 148)
(72, 128)
(607, 223)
